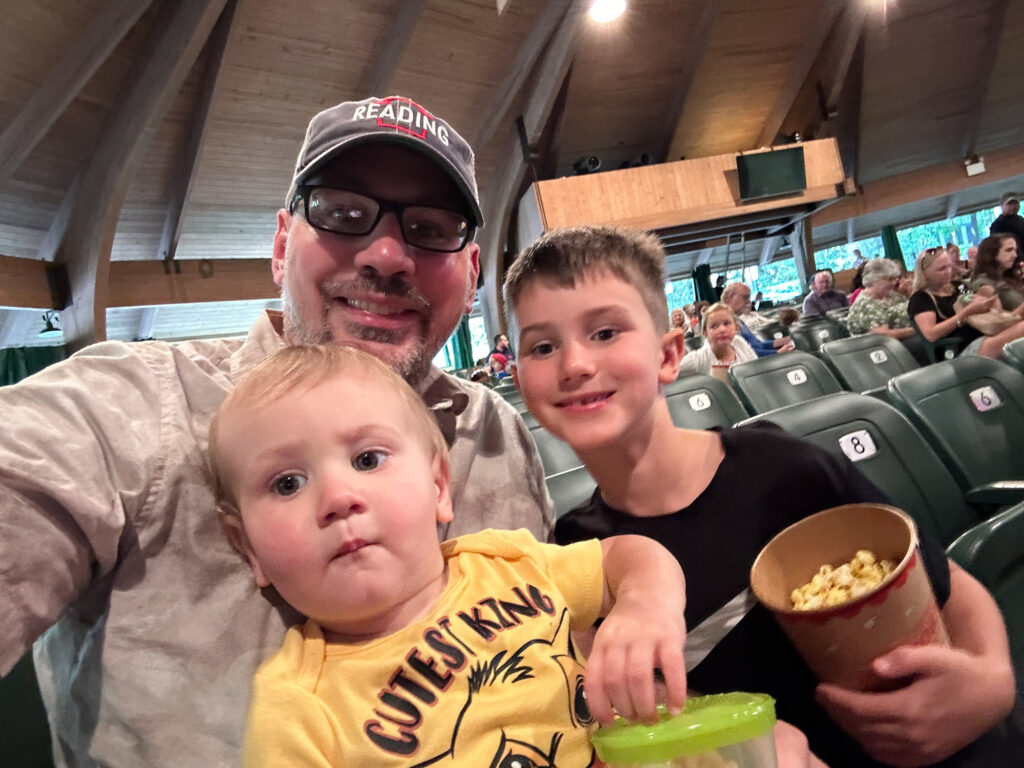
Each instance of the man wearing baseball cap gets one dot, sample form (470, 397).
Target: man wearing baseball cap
(1010, 222)
(146, 624)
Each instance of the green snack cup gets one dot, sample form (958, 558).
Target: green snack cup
(736, 726)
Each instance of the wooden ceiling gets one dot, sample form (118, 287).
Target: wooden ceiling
(135, 129)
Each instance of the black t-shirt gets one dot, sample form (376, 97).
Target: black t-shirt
(925, 301)
(767, 481)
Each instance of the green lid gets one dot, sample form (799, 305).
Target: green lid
(706, 723)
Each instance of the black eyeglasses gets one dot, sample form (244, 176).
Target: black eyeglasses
(350, 213)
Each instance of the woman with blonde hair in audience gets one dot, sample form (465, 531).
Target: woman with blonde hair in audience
(723, 346)
(995, 271)
(936, 309)
(878, 308)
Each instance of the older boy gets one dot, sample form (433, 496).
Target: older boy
(595, 352)
(413, 651)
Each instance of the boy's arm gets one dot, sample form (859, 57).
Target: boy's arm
(954, 695)
(645, 595)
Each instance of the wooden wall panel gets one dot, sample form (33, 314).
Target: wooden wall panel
(657, 196)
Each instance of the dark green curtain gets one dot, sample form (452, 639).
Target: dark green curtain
(702, 286)
(462, 345)
(23, 729)
(18, 362)
(891, 244)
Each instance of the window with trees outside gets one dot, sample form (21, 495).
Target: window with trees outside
(777, 281)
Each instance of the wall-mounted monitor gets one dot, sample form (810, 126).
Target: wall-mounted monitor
(771, 174)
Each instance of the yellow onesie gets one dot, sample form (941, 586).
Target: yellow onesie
(489, 679)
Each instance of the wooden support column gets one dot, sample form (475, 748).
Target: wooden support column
(179, 32)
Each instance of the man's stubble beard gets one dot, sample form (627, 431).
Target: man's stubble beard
(412, 366)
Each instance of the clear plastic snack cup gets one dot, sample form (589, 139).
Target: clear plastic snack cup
(725, 730)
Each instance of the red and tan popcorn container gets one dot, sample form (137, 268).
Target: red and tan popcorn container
(840, 642)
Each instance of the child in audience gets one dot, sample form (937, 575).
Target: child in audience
(595, 353)
(332, 476)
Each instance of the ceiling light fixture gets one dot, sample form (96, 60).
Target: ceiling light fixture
(603, 11)
(50, 330)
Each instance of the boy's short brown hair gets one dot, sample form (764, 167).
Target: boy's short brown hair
(303, 367)
(563, 256)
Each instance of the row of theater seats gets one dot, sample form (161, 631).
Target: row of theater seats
(945, 443)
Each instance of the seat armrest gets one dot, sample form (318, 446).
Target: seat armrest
(989, 549)
(1000, 493)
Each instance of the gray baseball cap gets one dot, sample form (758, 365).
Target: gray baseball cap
(1008, 196)
(389, 120)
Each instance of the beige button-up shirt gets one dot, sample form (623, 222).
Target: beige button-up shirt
(149, 625)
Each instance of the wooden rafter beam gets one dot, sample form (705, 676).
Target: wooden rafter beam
(526, 57)
(850, 29)
(809, 52)
(24, 282)
(398, 35)
(145, 283)
(500, 199)
(178, 34)
(65, 80)
(693, 52)
(185, 168)
(925, 184)
(986, 62)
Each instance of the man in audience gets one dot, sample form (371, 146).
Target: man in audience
(823, 297)
(1010, 222)
(737, 297)
(109, 536)
(502, 347)
(972, 255)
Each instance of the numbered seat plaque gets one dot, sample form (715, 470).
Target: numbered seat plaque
(858, 445)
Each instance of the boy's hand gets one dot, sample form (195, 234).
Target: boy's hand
(946, 705)
(633, 640)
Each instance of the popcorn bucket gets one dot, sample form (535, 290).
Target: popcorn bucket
(839, 642)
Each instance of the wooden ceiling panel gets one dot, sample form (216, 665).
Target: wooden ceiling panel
(742, 75)
(917, 89)
(459, 52)
(1002, 116)
(617, 100)
(279, 69)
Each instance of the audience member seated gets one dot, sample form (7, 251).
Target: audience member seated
(760, 302)
(480, 375)
(498, 362)
(722, 348)
(935, 308)
(680, 320)
(787, 317)
(857, 284)
(878, 308)
(754, 319)
(995, 271)
(699, 308)
(823, 296)
(1010, 222)
(736, 296)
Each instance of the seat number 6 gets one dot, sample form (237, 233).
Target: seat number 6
(985, 399)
